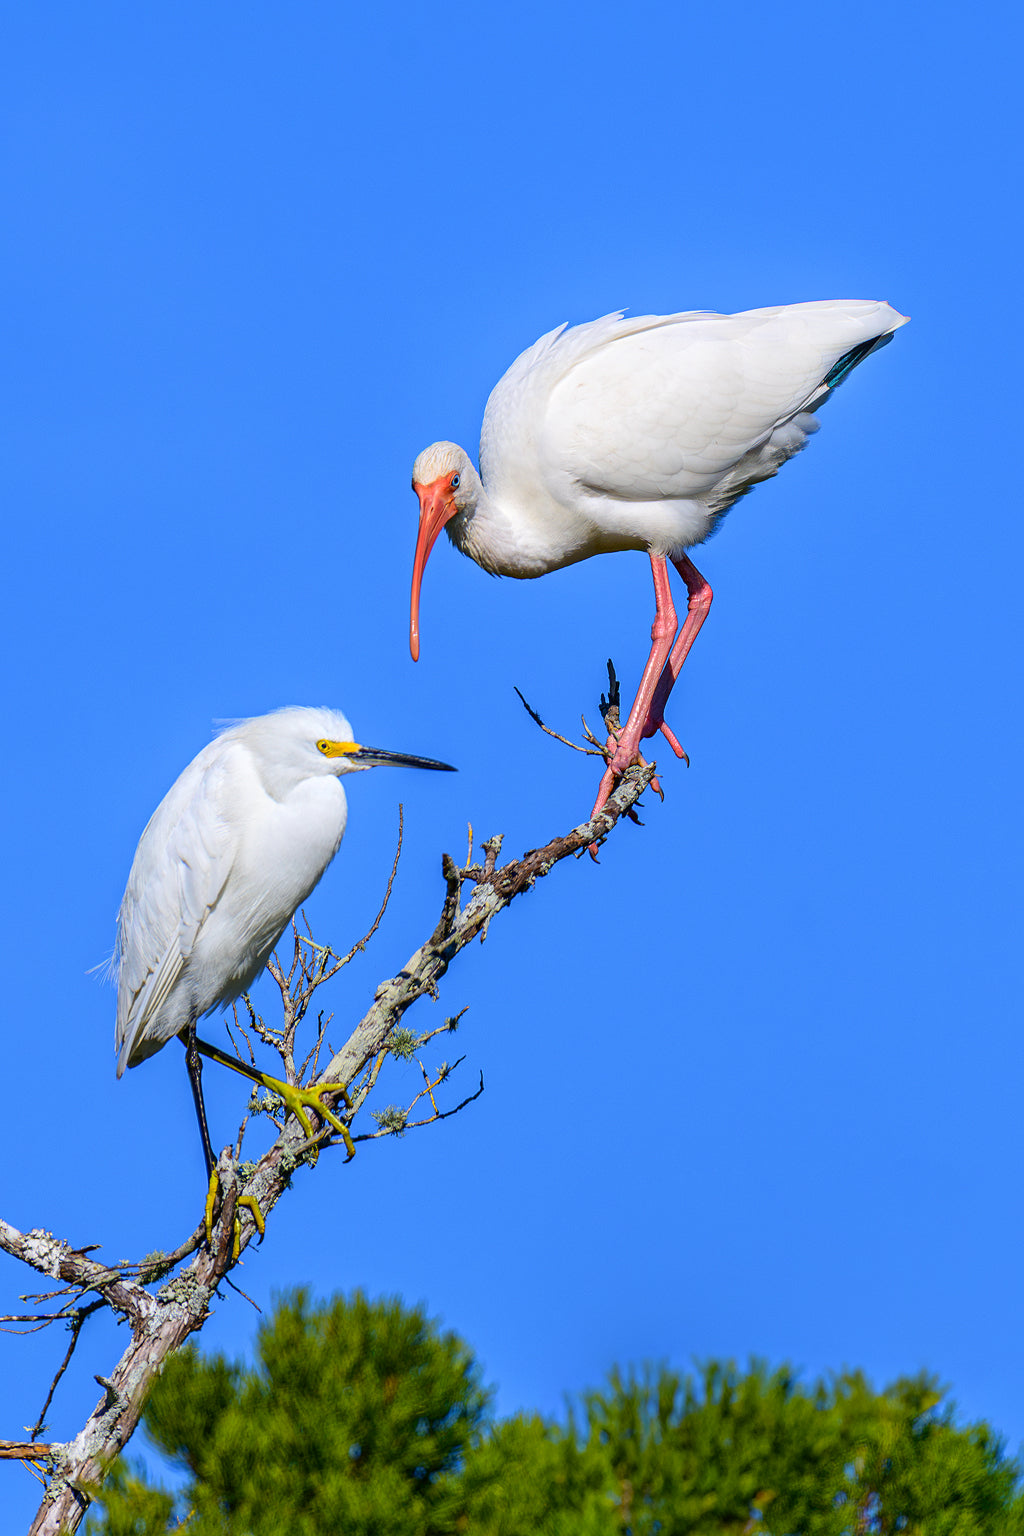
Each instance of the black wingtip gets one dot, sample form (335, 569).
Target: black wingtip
(849, 360)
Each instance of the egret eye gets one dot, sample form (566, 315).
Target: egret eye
(323, 746)
(456, 481)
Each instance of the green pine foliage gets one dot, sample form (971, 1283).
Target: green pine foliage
(363, 1417)
(759, 1451)
(354, 1420)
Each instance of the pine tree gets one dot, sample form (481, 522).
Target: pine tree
(354, 1420)
(363, 1418)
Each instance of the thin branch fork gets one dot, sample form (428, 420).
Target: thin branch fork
(596, 750)
(495, 887)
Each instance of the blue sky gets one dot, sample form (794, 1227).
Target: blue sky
(753, 1084)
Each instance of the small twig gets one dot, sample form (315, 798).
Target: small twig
(360, 1092)
(259, 1027)
(243, 1294)
(602, 749)
(32, 1322)
(314, 976)
(610, 705)
(244, 1034)
(610, 715)
(589, 751)
(444, 1073)
(304, 995)
(429, 1090)
(446, 1028)
(312, 1059)
(76, 1328)
(24, 1450)
(297, 958)
(415, 1125)
(391, 880)
(171, 1260)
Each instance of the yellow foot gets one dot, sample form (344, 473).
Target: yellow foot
(251, 1204)
(211, 1197)
(298, 1100)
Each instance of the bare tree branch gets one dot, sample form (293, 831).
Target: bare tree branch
(162, 1319)
(24, 1450)
(78, 1318)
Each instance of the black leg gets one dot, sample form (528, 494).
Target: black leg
(194, 1062)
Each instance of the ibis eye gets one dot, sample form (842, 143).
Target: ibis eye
(455, 482)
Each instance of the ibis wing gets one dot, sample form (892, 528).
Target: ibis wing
(182, 863)
(668, 409)
(514, 419)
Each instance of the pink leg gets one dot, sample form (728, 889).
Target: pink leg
(660, 674)
(662, 632)
(700, 596)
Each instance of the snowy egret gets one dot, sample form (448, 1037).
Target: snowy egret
(638, 434)
(233, 849)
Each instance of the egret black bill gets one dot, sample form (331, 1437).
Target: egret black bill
(375, 757)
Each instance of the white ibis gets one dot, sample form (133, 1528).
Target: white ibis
(232, 850)
(639, 434)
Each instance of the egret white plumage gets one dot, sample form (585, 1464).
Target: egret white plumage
(638, 433)
(233, 849)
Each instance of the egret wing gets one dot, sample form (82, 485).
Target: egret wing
(182, 863)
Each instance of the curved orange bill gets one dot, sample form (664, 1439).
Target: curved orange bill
(436, 509)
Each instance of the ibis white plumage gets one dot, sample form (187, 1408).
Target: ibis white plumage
(638, 433)
(233, 849)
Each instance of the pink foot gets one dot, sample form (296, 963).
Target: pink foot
(608, 779)
(607, 785)
(673, 743)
